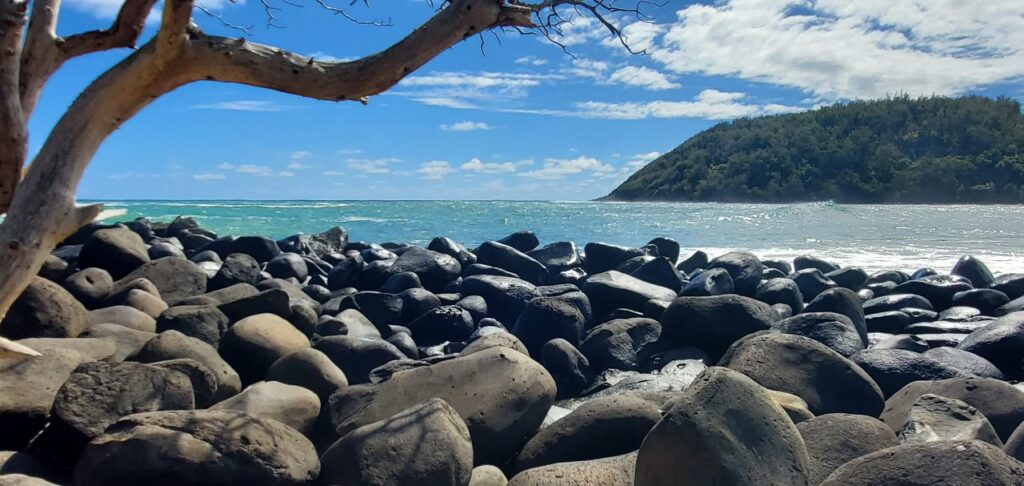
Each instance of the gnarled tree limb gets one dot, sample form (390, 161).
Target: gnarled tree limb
(13, 134)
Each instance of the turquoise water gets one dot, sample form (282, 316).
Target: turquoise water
(870, 236)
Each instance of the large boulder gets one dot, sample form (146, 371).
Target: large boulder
(311, 369)
(974, 270)
(558, 256)
(842, 301)
(780, 291)
(714, 323)
(44, 309)
(892, 369)
(610, 471)
(98, 394)
(933, 418)
(951, 463)
(427, 443)
(434, 269)
(294, 406)
(724, 430)
(547, 318)
(28, 388)
(601, 257)
(614, 289)
(508, 258)
(117, 250)
(620, 343)
(502, 395)
(744, 268)
(965, 361)
(568, 366)
(833, 330)
(837, 438)
(203, 322)
(827, 381)
(938, 289)
(288, 265)
(201, 447)
(357, 357)
(1001, 342)
(998, 401)
(90, 286)
(176, 278)
(895, 302)
(256, 342)
(175, 345)
(505, 296)
(442, 323)
(602, 427)
(127, 342)
(238, 268)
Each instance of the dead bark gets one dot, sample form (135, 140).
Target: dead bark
(13, 134)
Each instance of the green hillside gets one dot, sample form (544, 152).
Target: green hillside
(927, 150)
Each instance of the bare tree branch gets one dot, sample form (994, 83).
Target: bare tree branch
(13, 134)
(124, 32)
(174, 25)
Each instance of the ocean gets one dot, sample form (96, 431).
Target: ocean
(873, 237)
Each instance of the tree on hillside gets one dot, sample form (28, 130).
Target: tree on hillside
(40, 200)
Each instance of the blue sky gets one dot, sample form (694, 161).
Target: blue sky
(514, 117)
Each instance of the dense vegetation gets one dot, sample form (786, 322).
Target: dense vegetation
(928, 150)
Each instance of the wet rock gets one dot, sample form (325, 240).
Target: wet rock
(895, 302)
(661, 272)
(251, 345)
(116, 250)
(697, 260)
(907, 342)
(1015, 305)
(938, 289)
(505, 296)
(714, 323)
(346, 273)
(806, 262)
(1001, 342)
(453, 249)
(892, 369)
(780, 291)
(621, 290)
(602, 257)
(708, 436)
(852, 278)
(557, 256)
(715, 281)
(358, 356)
(811, 282)
(944, 462)
(827, 381)
(965, 361)
(44, 309)
(523, 241)
(985, 300)
(833, 330)
(567, 365)
(502, 395)
(547, 318)
(513, 260)
(837, 438)
(620, 344)
(401, 281)
(1000, 402)
(583, 434)
(959, 313)
(744, 268)
(434, 269)
(198, 447)
(1011, 284)
(888, 321)
(974, 270)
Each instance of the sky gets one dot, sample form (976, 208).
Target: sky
(512, 116)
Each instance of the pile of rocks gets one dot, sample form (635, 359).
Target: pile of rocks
(170, 355)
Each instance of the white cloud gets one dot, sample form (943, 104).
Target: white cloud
(637, 161)
(841, 49)
(298, 166)
(588, 68)
(465, 126)
(350, 151)
(371, 166)
(435, 169)
(640, 36)
(226, 166)
(209, 176)
(478, 80)
(325, 57)
(477, 165)
(710, 104)
(446, 102)
(285, 173)
(244, 105)
(531, 61)
(577, 28)
(559, 168)
(643, 77)
(260, 170)
(299, 154)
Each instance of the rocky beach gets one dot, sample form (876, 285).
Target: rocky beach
(162, 353)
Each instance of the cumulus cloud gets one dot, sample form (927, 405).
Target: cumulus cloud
(466, 126)
(637, 161)
(209, 176)
(260, 170)
(370, 166)
(841, 49)
(710, 104)
(643, 77)
(559, 168)
(531, 61)
(477, 165)
(435, 169)
(226, 166)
